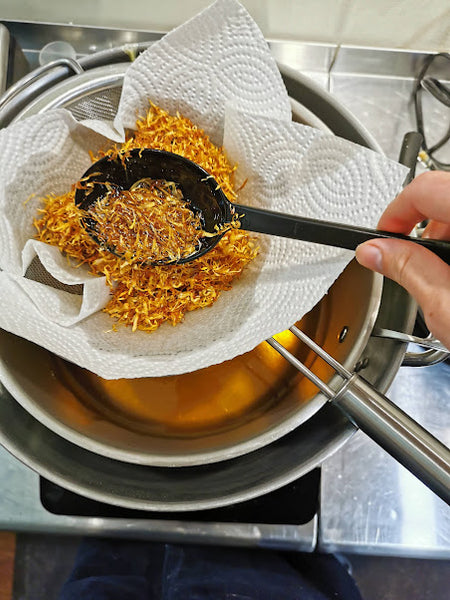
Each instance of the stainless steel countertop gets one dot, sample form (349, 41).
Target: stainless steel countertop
(369, 503)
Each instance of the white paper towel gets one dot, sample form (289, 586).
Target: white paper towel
(217, 70)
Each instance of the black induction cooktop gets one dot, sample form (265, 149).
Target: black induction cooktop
(293, 504)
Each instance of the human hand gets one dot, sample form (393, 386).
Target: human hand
(425, 276)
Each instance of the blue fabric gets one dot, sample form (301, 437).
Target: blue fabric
(131, 570)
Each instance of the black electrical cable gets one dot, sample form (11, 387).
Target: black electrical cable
(439, 92)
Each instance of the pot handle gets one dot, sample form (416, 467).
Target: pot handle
(409, 443)
(424, 359)
(436, 352)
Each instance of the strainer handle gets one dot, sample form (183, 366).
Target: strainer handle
(35, 75)
(395, 431)
(436, 353)
(424, 359)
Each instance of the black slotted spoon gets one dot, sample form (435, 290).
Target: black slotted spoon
(207, 199)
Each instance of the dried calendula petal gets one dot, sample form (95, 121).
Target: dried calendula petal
(143, 297)
(150, 222)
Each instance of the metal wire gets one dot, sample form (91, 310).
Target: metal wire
(321, 352)
(323, 387)
(293, 360)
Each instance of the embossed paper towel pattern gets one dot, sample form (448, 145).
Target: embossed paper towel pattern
(218, 57)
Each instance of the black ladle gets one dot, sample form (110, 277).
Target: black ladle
(207, 199)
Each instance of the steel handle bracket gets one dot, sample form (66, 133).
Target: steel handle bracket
(15, 91)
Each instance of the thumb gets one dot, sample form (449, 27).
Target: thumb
(425, 276)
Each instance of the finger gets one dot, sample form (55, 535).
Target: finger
(425, 276)
(437, 231)
(426, 197)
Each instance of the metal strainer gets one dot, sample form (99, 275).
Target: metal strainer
(101, 106)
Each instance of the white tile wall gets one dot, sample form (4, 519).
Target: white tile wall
(388, 23)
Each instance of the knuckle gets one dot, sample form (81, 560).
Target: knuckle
(408, 270)
(402, 267)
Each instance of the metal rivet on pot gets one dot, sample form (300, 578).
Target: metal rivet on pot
(343, 334)
(361, 364)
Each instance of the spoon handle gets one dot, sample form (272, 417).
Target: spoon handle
(326, 232)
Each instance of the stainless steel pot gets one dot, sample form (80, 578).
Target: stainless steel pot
(57, 428)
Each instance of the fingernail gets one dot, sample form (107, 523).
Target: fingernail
(370, 256)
